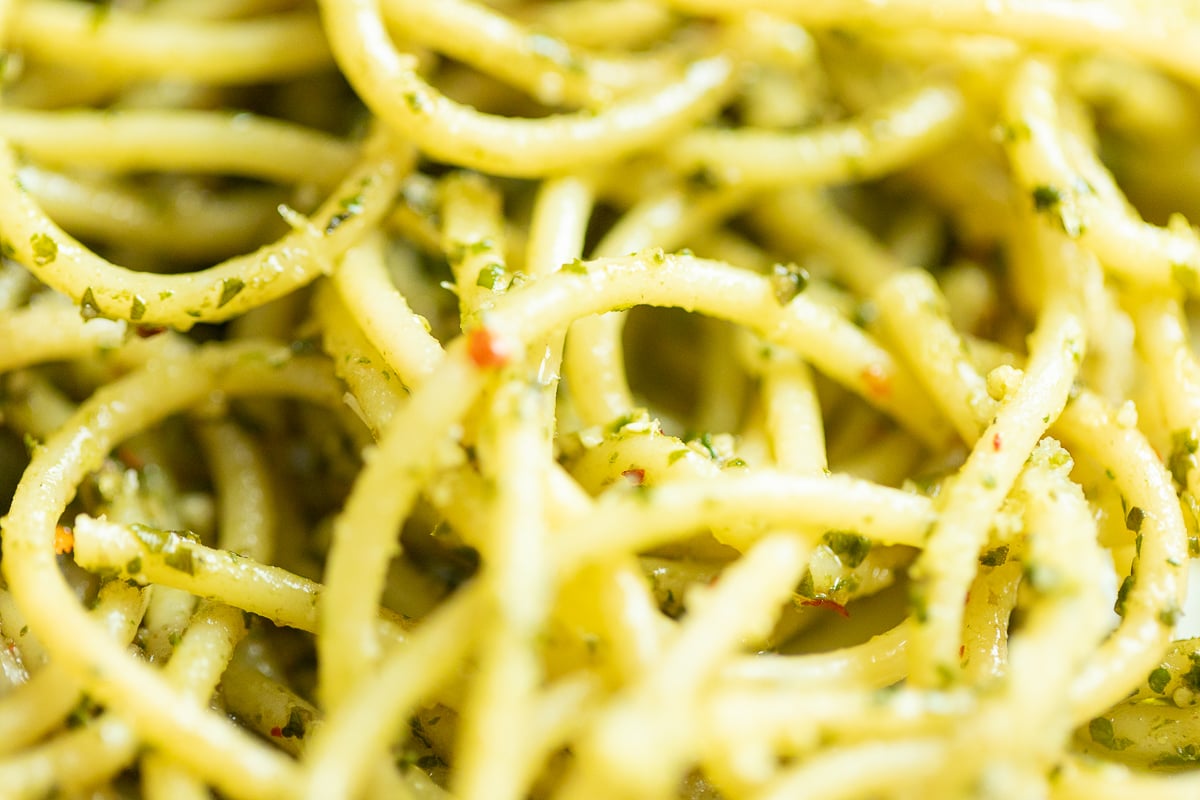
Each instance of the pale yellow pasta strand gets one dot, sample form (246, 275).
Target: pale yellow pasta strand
(1138, 252)
(448, 131)
(763, 499)
(793, 414)
(108, 673)
(364, 535)
(36, 707)
(473, 240)
(215, 294)
(618, 24)
(829, 342)
(169, 558)
(876, 663)
(246, 500)
(189, 226)
(98, 751)
(666, 219)
(916, 315)
(1085, 778)
(401, 336)
(374, 397)
(874, 144)
(360, 730)
(516, 578)
(946, 565)
(838, 773)
(179, 140)
(642, 743)
(800, 220)
(750, 727)
(1162, 34)
(548, 69)
(201, 657)
(52, 331)
(1160, 583)
(128, 45)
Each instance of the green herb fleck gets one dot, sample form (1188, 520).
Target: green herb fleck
(490, 277)
(87, 305)
(45, 249)
(1159, 679)
(1191, 678)
(297, 723)
(1134, 519)
(675, 455)
(1183, 755)
(229, 290)
(576, 266)
(137, 308)
(1046, 197)
(1101, 730)
(995, 557)
(180, 559)
(417, 102)
(1123, 595)
(850, 547)
(918, 600)
(787, 281)
(1183, 455)
(1170, 615)
(1185, 275)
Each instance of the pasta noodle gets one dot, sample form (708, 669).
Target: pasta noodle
(598, 399)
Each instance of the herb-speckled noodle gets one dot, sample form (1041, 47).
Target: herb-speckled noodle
(598, 399)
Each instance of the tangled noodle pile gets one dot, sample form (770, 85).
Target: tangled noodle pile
(599, 399)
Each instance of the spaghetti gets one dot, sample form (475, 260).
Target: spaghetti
(598, 399)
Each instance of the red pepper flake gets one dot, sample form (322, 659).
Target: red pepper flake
(825, 602)
(64, 540)
(146, 331)
(962, 650)
(636, 476)
(876, 379)
(996, 442)
(129, 458)
(486, 349)
(277, 732)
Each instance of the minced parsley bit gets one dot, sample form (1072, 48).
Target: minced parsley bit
(787, 281)
(1102, 733)
(137, 308)
(1170, 615)
(1159, 679)
(1134, 519)
(995, 557)
(87, 305)
(45, 249)
(850, 547)
(229, 290)
(491, 277)
(1183, 455)
(1046, 198)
